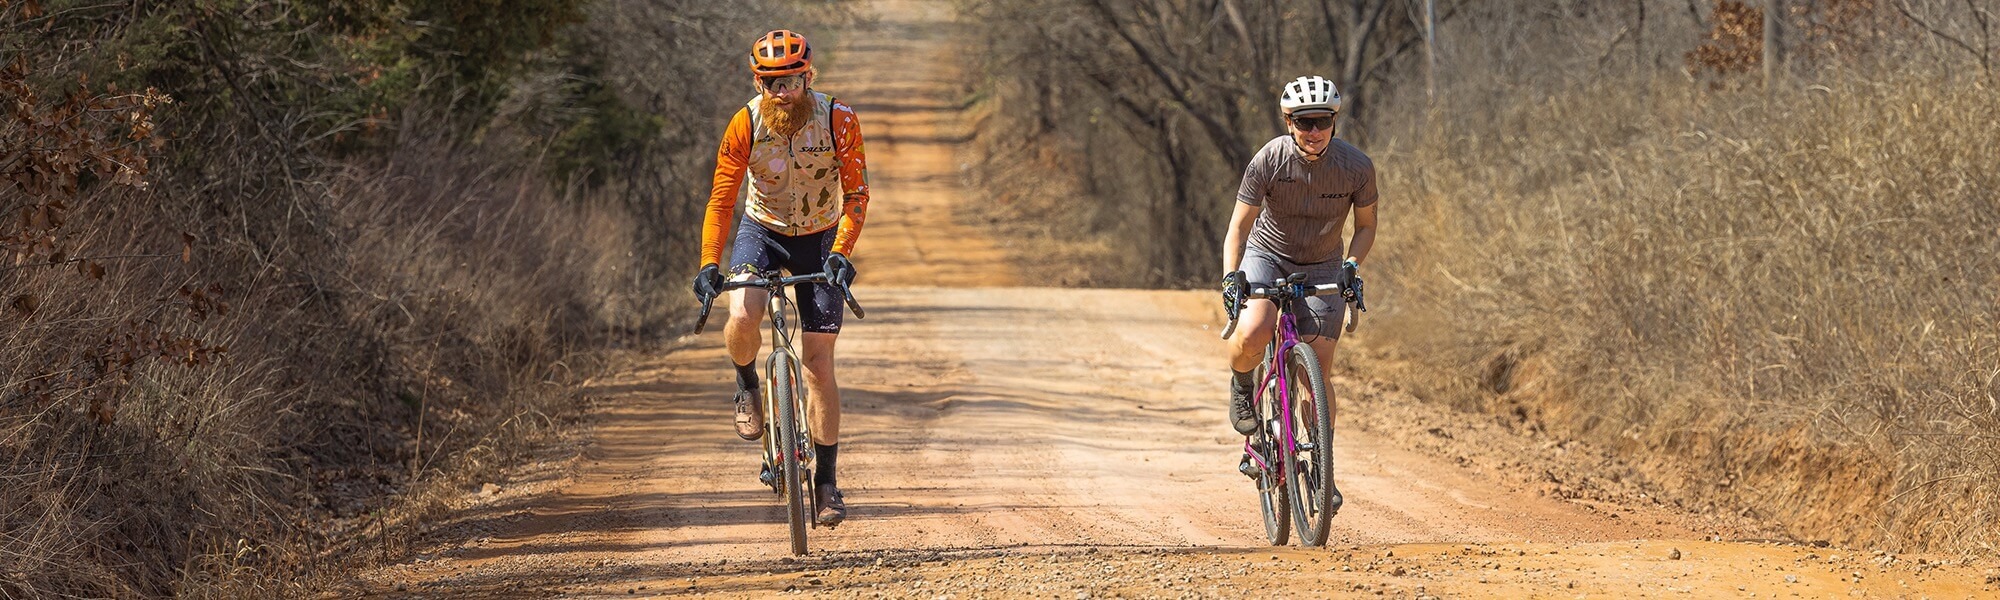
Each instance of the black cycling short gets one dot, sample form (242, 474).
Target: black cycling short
(760, 249)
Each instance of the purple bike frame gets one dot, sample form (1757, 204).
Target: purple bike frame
(1288, 338)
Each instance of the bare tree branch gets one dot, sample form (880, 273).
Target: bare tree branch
(1236, 21)
(1903, 6)
(1233, 148)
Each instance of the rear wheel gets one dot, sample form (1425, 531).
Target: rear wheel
(1271, 496)
(1311, 466)
(797, 496)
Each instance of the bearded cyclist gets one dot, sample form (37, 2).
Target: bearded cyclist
(1294, 201)
(808, 196)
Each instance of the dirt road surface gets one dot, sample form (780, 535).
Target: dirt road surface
(1008, 441)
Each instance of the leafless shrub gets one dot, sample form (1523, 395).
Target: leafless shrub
(1735, 42)
(1799, 308)
(305, 334)
(1970, 26)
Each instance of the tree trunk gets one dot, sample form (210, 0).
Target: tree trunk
(1774, 13)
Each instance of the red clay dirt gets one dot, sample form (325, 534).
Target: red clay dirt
(1005, 441)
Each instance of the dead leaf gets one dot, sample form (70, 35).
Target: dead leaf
(102, 410)
(25, 304)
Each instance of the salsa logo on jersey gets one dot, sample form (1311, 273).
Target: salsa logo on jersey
(1333, 196)
(817, 149)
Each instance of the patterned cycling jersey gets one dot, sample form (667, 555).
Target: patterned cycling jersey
(793, 181)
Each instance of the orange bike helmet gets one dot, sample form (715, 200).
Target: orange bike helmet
(780, 52)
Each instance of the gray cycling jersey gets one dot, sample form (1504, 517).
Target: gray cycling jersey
(1305, 204)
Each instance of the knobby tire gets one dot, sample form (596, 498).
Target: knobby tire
(1311, 472)
(783, 388)
(1271, 496)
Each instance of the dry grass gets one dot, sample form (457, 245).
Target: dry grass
(1794, 296)
(355, 337)
(449, 302)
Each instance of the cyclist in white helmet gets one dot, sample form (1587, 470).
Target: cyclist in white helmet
(1290, 211)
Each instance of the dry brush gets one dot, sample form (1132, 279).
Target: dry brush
(284, 277)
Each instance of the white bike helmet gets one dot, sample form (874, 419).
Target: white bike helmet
(1309, 94)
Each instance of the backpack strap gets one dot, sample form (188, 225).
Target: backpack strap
(830, 101)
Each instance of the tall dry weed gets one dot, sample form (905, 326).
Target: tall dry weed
(319, 321)
(1793, 296)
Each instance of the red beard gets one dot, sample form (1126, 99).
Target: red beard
(786, 119)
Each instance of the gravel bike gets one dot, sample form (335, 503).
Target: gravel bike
(1290, 456)
(788, 449)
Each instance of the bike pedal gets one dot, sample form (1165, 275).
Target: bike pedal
(1249, 468)
(767, 476)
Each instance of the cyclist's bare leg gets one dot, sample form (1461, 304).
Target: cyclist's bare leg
(744, 333)
(744, 336)
(1254, 328)
(823, 410)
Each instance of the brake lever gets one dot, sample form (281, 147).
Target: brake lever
(852, 304)
(1233, 306)
(1360, 301)
(702, 320)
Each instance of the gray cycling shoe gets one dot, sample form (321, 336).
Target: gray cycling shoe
(749, 415)
(832, 505)
(1242, 415)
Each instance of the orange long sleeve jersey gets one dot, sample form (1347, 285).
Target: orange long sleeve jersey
(791, 181)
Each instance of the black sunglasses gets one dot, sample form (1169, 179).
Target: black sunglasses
(782, 82)
(1312, 123)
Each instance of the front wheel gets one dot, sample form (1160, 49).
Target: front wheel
(783, 386)
(1314, 497)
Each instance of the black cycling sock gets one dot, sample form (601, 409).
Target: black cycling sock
(746, 376)
(826, 455)
(1241, 380)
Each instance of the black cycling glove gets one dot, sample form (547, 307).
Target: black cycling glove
(839, 270)
(1350, 283)
(1235, 284)
(708, 282)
